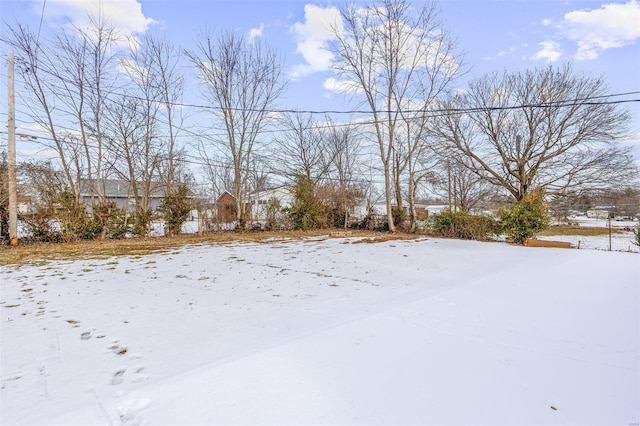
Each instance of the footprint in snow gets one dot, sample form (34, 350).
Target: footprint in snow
(118, 377)
(140, 375)
(73, 323)
(129, 409)
(118, 349)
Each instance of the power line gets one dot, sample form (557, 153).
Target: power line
(587, 100)
(429, 114)
(44, 3)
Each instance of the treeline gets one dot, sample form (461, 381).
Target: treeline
(112, 107)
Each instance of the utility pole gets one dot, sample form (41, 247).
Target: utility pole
(11, 142)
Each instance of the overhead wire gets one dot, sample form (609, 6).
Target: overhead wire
(421, 113)
(426, 113)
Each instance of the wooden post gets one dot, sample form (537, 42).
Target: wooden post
(609, 214)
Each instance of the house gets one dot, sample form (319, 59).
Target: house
(225, 208)
(119, 191)
(422, 210)
(260, 202)
(600, 212)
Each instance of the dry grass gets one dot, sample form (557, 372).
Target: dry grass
(43, 252)
(381, 238)
(582, 231)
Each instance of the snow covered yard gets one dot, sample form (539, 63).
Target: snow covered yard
(619, 242)
(622, 239)
(324, 331)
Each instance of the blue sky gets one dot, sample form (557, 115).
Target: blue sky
(599, 38)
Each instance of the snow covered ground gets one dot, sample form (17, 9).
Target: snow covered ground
(324, 331)
(623, 239)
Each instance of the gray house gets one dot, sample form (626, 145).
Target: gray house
(119, 191)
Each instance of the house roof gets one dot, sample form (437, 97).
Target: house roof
(225, 193)
(267, 192)
(119, 188)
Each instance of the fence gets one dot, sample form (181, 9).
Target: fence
(620, 240)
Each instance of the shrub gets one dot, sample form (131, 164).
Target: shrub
(113, 218)
(141, 219)
(74, 220)
(307, 211)
(524, 219)
(40, 228)
(276, 217)
(82, 226)
(636, 234)
(306, 216)
(399, 216)
(464, 225)
(368, 222)
(117, 226)
(176, 207)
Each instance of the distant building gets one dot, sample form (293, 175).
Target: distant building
(119, 191)
(225, 208)
(259, 201)
(601, 212)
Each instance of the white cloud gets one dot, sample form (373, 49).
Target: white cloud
(124, 15)
(546, 22)
(342, 86)
(506, 52)
(312, 36)
(509, 51)
(550, 51)
(256, 32)
(613, 25)
(132, 69)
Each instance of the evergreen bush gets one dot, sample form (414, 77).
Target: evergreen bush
(307, 212)
(464, 225)
(141, 220)
(176, 207)
(74, 220)
(114, 219)
(524, 219)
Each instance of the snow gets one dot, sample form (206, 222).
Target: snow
(624, 241)
(622, 237)
(324, 331)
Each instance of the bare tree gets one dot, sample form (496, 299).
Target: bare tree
(156, 62)
(302, 148)
(84, 72)
(467, 190)
(157, 86)
(545, 127)
(399, 59)
(420, 162)
(134, 151)
(38, 74)
(242, 82)
(344, 149)
(218, 178)
(68, 77)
